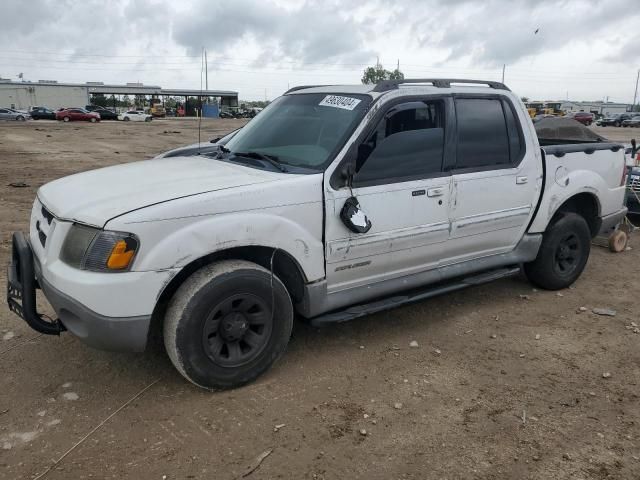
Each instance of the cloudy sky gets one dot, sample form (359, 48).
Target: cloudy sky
(583, 49)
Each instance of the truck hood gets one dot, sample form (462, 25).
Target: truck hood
(96, 196)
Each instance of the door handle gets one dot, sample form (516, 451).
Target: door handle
(521, 180)
(435, 192)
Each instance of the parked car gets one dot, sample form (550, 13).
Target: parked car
(42, 113)
(135, 116)
(633, 121)
(77, 114)
(335, 202)
(633, 191)
(585, 118)
(106, 114)
(9, 114)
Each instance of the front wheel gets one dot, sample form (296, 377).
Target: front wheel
(66, 119)
(20, 118)
(92, 120)
(227, 324)
(563, 254)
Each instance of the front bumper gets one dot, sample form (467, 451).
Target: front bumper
(94, 329)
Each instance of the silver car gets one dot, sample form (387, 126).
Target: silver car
(9, 114)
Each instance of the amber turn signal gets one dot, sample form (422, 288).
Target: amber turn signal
(121, 256)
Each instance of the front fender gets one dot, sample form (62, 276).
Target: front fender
(206, 235)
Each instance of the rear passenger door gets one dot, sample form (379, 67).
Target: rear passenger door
(495, 178)
(401, 186)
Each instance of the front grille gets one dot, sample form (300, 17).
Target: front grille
(634, 183)
(43, 219)
(46, 214)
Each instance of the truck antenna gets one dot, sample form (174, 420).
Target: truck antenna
(200, 98)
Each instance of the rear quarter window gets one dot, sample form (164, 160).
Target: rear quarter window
(483, 139)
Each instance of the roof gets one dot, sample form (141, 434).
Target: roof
(132, 89)
(422, 84)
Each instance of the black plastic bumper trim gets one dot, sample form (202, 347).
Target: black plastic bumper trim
(21, 288)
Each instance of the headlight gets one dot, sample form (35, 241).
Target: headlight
(97, 250)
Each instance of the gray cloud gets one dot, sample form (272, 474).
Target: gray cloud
(313, 32)
(493, 32)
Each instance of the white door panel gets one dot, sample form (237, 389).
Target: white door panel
(406, 224)
(491, 210)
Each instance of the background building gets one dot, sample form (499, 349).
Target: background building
(54, 95)
(602, 108)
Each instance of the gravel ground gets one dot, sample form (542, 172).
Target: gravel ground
(501, 381)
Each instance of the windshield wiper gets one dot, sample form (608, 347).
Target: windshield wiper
(271, 159)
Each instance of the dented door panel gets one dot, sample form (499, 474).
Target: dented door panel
(406, 227)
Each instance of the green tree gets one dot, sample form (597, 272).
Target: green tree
(98, 99)
(378, 73)
(127, 101)
(140, 100)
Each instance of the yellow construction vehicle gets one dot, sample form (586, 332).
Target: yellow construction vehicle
(157, 109)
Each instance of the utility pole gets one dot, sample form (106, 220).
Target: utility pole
(503, 67)
(635, 94)
(206, 71)
(398, 67)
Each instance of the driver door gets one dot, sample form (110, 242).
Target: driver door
(401, 186)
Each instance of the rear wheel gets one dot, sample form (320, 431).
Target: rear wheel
(227, 324)
(65, 119)
(20, 118)
(563, 254)
(126, 119)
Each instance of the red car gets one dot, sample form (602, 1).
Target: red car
(584, 118)
(77, 114)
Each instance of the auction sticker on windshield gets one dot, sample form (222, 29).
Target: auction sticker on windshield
(336, 101)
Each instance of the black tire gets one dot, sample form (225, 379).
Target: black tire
(617, 124)
(220, 330)
(92, 120)
(65, 119)
(126, 119)
(563, 254)
(20, 118)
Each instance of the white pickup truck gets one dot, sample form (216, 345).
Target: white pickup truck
(333, 203)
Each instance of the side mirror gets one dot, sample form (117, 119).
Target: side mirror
(346, 173)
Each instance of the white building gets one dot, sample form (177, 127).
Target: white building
(602, 108)
(54, 95)
(22, 95)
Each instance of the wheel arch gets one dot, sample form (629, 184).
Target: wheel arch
(285, 267)
(586, 205)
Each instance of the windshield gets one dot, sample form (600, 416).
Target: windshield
(303, 130)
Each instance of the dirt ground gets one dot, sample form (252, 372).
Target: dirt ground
(506, 382)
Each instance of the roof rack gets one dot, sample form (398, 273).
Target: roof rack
(302, 87)
(386, 85)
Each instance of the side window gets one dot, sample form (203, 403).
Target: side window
(408, 143)
(482, 133)
(516, 139)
